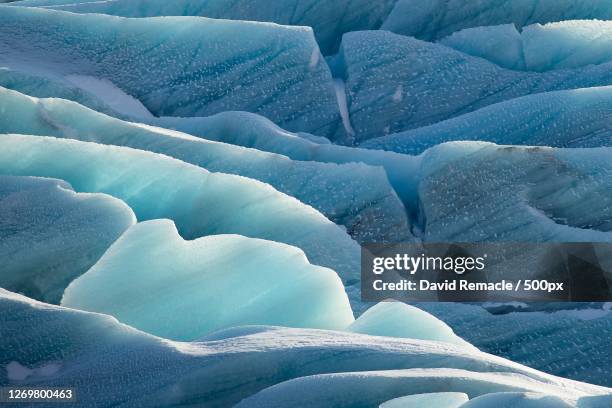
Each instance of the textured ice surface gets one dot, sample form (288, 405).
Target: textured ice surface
(190, 66)
(92, 351)
(184, 290)
(570, 343)
(500, 44)
(567, 44)
(436, 19)
(438, 400)
(395, 319)
(517, 400)
(49, 235)
(572, 118)
(199, 202)
(395, 83)
(329, 19)
(358, 389)
(354, 195)
(478, 192)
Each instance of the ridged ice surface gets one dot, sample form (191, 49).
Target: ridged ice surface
(354, 195)
(329, 19)
(571, 343)
(436, 19)
(49, 234)
(192, 67)
(572, 118)
(395, 83)
(199, 202)
(566, 44)
(479, 192)
(184, 290)
(90, 351)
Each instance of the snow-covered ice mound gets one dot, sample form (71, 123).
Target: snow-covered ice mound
(434, 399)
(517, 399)
(199, 202)
(479, 192)
(155, 281)
(329, 19)
(356, 196)
(91, 351)
(572, 118)
(395, 319)
(395, 83)
(436, 19)
(567, 44)
(49, 234)
(192, 66)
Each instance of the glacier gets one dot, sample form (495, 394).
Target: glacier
(354, 195)
(227, 370)
(439, 400)
(183, 290)
(559, 45)
(573, 118)
(570, 343)
(396, 83)
(268, 70)
(481, 192)
(328, 19)
(395, 319)
(199, 202)
(49, 234)
(517, 399)
(436, 19)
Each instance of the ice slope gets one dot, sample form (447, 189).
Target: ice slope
(572, 118)
(184, 290)
(571, 343)
(479, 192)
(49, 235)
(436, 19)
(517, 399)
(439, 400)
(354, 195)
(329, 19)
(182, 66)
(395, 83)
(199, 202)
(395, 319)
(369, 389)
(154, 372)
(43, 87)
(566, 44)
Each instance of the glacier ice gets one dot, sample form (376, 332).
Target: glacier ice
(559, 45)
(361, 390)
(49, 234)
(501, 44)
(354, 195)
(395, 319)
(570, 343)
(572, 118)
(436, 19)
(438, 400)
(517, 399)
(199, 202)
(329, 19)
(436, 83)
(91, 351)
(267, 69)
(184, 290)
(478, 192)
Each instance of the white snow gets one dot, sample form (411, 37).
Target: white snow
(343, 106)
